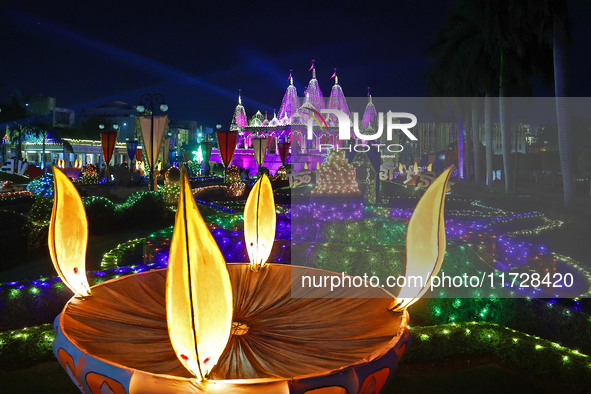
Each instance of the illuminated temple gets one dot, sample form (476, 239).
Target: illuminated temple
(290, 125)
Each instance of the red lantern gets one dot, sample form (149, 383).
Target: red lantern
(283, 148)
(108, 140)
(227, 145)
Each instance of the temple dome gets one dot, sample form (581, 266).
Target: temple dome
(257, 119)
(239, 119)
(291, 102)
(369, 115)
(274, 122)
(314, 93)
(266, 121)
(304, 111)
(337, 101)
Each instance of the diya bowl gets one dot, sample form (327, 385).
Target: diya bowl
(117, 340)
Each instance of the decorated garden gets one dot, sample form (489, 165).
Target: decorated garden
(543, 335)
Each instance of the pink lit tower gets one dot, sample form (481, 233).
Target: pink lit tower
(313, 91)
(291, 102)
(369, 115)
(239, 120)
(337, 100)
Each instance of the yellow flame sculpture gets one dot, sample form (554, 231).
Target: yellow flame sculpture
(415, 168)
(425, 242)
(400, 168)
(68, 235)
(198, 290)
(259, 223)
(430, 167)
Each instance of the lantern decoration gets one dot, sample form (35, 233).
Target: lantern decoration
(138, 154)
(153, 127)
(108, 140)
(259, 223)
(198, 290)
(260, 149)
(165, 150)
(236, 330)
(283, 149)
(206, 151)
(425, 241)
(227, 145)
(68, 235)
(132, 149)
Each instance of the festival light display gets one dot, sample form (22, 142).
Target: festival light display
(259, 223)
(198, 290)
(68, 235)
(336, 177)
(199, 316)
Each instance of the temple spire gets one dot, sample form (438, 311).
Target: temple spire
(313, 90)
(240, 96)
(337, 100)
(291, 102)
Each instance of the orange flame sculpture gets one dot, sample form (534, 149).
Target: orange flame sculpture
(198, 290)
(68, 235)
(425, 241)
(259, 223)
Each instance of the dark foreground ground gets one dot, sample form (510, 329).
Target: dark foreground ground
(458, 377)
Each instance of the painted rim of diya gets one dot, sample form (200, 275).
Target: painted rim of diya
(279, 343)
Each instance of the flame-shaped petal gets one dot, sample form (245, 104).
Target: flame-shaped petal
(198, 290)
(68, 235)
(259, 222)
(425, 242)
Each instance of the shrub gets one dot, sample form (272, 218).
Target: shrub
(13, 239)
(100, 212)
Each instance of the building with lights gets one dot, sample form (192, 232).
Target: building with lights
(291, 122)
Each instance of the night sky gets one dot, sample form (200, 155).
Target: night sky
(199, 55)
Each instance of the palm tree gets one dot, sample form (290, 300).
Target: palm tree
(550, 17)
(487, 48)
(465, 66)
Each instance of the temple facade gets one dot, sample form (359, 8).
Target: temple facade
(290, 124)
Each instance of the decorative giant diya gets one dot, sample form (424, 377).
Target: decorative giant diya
(202, 325)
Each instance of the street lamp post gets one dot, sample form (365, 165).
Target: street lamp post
(152, 103)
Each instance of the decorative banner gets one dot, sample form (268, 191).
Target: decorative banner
(132, 148)
(260, 149)
(165, 150)
(283, 148)
(152, 135)
(108, 140)
(206, 151)
(270, 140)
(227, 145)
(138, 154)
